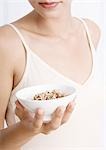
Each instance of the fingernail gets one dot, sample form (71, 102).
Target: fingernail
(72, 105)
(40, 111)
(17, 105)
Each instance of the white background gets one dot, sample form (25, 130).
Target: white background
(11, 10)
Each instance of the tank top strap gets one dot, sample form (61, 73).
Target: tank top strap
(21, 36)
(88, 34)
(91, 45)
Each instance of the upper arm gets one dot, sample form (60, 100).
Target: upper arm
(94, 32)
(6, 76)
(11, 58)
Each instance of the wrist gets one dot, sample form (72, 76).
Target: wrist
(28, 128)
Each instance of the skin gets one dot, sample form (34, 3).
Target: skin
(56, 29)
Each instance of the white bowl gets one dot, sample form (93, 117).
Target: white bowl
(25, 97)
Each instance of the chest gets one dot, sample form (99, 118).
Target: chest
(71, 57)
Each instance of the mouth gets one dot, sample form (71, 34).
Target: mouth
(49, 5)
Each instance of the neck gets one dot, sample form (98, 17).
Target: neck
(53, 27)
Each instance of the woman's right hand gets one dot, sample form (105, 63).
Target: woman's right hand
(34, 124)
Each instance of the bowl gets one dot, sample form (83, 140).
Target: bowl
(25, 97)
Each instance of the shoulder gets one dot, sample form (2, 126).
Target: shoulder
(6, 39)
(11, 52)
(94, 31)
(9, 44)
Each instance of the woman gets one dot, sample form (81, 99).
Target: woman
(48, 37)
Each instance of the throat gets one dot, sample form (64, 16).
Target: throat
(55, 27)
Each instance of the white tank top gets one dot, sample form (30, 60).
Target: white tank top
(85, 127)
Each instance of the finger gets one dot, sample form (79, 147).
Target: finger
(38, 119)
(19, 105)
(56, 120)
(18, 113)
(68, 112)
(19, 110)
(22, 112)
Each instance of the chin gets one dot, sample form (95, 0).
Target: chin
(50, 13)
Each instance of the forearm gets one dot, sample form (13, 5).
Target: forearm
(14, 137)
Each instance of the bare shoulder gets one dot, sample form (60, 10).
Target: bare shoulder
(9, 44)
(6, 39)
(11, 51)
(94, 31)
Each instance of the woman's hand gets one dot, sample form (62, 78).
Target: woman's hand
(35, 123)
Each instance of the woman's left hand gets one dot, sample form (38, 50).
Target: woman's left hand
(59, 117)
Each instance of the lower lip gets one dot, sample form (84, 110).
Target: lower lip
(48, 5)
